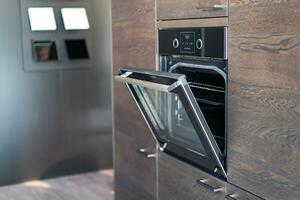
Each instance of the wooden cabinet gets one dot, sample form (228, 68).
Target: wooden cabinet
(235, 193)
(178, 180)
(264, 109)
(264, 100)
(133, 28)
(191, 9)
(135, 168)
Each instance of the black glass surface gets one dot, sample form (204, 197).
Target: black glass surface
(77, 49)
(44, 50)
(213, 42)
(209, 90)
(171, 117)
(187, 42)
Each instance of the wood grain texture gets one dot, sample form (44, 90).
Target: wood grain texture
(135, 176)
(133, 28)
(264, 100)
(177, 181)
(233, 192)
(190, 9)
(210, 22)
(264, 16)
(89, 186)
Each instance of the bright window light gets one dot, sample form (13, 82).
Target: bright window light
(75, 18)
(42, 19)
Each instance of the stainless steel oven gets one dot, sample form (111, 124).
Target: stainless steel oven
(185, 102)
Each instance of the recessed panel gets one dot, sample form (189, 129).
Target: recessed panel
(75, 18)
(77, 49)
(42, 19)
(44, 51)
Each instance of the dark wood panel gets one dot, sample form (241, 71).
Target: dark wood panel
(234, 193)
(265, 60)
(135, 174)
(188, 9)
(133, 26)
(264, 16)
(178, 180)
(264, 99)
(205, 22)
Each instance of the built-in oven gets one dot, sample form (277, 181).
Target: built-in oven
(185, 102)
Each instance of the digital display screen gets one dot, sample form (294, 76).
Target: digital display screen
(187, 36)
(187, 42)
(75, 18)
(77, 49)
(42, 19)
(44, 50)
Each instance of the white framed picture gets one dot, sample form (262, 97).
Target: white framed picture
(75, 19)
(42, 19)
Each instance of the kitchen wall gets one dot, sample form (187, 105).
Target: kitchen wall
(53, 122)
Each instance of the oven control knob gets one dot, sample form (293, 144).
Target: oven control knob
(199, 44)
(175, 43)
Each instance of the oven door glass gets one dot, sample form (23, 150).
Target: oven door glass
(174, 117)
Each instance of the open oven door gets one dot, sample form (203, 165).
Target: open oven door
(174, 117)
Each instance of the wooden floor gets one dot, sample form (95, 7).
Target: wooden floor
(90, 186)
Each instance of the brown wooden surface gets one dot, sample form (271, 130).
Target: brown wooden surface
(133, 27)
(233, 192)
(209, 22)
(135, 176)
(264, 84)
(188, 9)
(178, 180)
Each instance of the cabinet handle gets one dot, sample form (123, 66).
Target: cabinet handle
(231, 196)
(219, 6)
(203, 182)
(213, 8)
(145, 153)
(151, 155)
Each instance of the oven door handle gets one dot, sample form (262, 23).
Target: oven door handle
(147, 84)
(157, 86)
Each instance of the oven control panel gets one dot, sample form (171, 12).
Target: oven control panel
(187, 43)
(200, 42)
